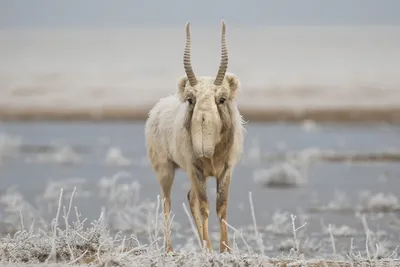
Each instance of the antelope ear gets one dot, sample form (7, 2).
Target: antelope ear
(181, 86)
(233, 82)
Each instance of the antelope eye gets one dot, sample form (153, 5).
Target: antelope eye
(222, 100)
(190, 101)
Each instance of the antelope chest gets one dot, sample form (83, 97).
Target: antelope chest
(211, 167)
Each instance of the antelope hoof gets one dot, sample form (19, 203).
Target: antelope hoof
(169, 249)
(224, 249)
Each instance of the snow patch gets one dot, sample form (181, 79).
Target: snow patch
(379, 202)
(64, 155)
(115, 157)
(281, 175)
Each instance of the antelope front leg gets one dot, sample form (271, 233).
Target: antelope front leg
(199, 190)
(223, 182)
(195, 210)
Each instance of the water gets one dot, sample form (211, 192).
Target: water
(325, 180)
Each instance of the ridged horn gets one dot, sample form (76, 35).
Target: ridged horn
(186, 58)
(224, 58)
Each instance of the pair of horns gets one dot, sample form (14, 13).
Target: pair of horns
(224, 58)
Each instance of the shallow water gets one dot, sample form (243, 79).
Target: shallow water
(324, 180)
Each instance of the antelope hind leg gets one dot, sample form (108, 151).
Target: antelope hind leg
(165, 175)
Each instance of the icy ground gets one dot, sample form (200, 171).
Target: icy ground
(54, 226)
(71, 240)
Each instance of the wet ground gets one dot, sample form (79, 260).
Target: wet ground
(305, 169)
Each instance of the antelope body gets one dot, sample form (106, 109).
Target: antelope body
(200, 130)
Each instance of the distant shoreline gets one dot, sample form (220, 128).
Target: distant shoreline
(330, 114)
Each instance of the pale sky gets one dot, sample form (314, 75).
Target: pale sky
(123, 13)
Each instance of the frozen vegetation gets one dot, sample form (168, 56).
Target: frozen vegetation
(63, 155)
(129, 232)
(51, 230)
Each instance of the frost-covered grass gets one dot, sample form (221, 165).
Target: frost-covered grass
(51, 231)
(70, 239)
(281, 175)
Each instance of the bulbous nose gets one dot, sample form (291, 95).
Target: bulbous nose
(202, 137)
